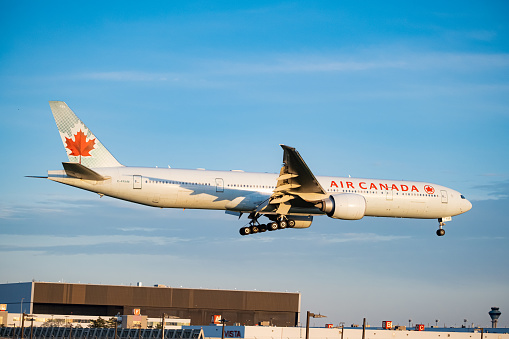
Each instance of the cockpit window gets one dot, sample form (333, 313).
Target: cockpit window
(463, 197)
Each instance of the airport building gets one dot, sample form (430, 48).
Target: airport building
(197, 305)
(64, 311)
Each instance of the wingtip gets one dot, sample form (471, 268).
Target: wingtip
(287, 147)
(56, 102)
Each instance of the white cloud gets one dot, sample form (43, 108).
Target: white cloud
(189, 79)
(362, 237)
(15, 241)
(138, 229)
(483, 35)
(199, 72)
(497, 190)
(130, 76)
(306, 65)
(52, 205)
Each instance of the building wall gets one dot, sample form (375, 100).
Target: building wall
(267, 332)
(243, 307)
(134, 321)
(12, 294)
(76, 321)
(3, 318)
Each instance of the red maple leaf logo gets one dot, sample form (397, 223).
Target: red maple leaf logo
(80, 146)
(429, 189)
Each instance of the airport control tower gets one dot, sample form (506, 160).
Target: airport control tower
(494, 314)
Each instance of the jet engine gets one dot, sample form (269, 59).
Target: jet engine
(345, 206)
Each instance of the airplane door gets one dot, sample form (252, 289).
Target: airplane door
(137, 181)
(389, 194)
(444, 196)
(219, 185)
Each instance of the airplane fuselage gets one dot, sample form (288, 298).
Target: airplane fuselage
(244, 191)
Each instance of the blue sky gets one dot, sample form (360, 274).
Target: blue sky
(394, 89)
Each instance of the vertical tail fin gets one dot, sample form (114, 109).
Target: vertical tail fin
(79, 142)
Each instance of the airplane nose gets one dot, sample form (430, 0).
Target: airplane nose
(466, 206)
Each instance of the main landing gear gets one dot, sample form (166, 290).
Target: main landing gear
(440, 231)
(279, 224)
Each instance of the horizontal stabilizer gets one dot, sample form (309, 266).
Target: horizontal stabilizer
(76, 170)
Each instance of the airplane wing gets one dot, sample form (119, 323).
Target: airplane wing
(296, 184)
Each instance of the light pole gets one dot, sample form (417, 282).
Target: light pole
(309, 314)
(116, 325)
(31, 326)
(21, 311)
(223, 321)
(22, 325)
(162, 325)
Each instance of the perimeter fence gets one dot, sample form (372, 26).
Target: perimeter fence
(97, 333)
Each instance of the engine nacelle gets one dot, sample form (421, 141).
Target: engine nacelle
(301, 221)
(346, 206)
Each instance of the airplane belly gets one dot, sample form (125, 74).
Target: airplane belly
(102, 187)
(172, 196)
(378, 207)
(200, 199)
(164, 197)
(403, 207)
(246, 203)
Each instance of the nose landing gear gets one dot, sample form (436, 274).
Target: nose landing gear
(440, 231)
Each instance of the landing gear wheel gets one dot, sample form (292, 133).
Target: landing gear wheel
(282, 224)
(273, 226)
(245, 231)
(254, 229)
(262, 227)
(441, 224)
(291, 223)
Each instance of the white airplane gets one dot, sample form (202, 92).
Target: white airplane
(289, 199)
